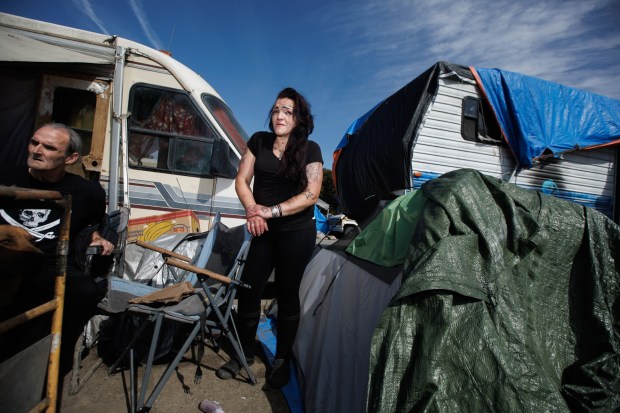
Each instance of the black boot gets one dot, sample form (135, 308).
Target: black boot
(231, 368)
(280, 374)
(247, 323)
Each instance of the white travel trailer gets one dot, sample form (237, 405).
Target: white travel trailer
(157, 136)
(534, 133)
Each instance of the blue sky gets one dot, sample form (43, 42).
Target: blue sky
(346, 56)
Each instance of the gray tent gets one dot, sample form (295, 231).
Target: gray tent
(341, 303)
(342, 298)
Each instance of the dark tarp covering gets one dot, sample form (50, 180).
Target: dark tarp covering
(510, 302)
(374, 157)
(17, 110)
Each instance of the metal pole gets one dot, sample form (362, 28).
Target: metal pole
(59, 297)
(117, 106)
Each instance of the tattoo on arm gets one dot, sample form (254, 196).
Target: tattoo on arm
(308, 195)
(313, 171)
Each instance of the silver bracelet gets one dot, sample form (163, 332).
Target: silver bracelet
(274, 211)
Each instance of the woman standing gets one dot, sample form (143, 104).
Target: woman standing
(288, 173)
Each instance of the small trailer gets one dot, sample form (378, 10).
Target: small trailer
(528, 131)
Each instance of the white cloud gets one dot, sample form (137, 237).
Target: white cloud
(87, 9)
(136, 6)
(572, 42)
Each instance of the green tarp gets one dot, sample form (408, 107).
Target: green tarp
(510, 302)
(385, 241)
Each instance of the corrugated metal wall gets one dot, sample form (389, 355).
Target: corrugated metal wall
(586, 177)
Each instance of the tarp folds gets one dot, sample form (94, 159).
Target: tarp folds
(510, 303)
(385, 241)
(541, 117)
(17, 47)
(375, 159)
(147, 266)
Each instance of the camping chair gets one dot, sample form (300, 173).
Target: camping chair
(206, 309)
(114, 230)
(23, 375)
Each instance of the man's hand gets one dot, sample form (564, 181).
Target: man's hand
(107, 246)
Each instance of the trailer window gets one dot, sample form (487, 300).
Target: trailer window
(168, 133)
(227, 121)
(148, 151)
(478, 123)
(193, 156)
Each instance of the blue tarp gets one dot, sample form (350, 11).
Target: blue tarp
(538, 116)
(321, 221)
(267, 335)
(357, 123)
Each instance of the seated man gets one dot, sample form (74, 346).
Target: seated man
(51, 148)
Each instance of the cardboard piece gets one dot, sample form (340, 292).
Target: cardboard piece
(151, 228)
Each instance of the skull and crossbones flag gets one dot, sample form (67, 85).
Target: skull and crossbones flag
(41, 223)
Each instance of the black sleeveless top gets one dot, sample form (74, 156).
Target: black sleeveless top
(271, 187)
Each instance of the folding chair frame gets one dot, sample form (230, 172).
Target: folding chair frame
(210, 306)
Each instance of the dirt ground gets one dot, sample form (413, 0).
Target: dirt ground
(104, 393)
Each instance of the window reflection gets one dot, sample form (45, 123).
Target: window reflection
(193, 156)
(160, 121)
(148, 151)
(227, 121)
(168, 133)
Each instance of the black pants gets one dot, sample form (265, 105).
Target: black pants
(288, 252)
(82, 294)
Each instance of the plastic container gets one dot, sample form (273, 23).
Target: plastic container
(210, 406)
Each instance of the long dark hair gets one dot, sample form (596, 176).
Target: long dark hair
(294, 160)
